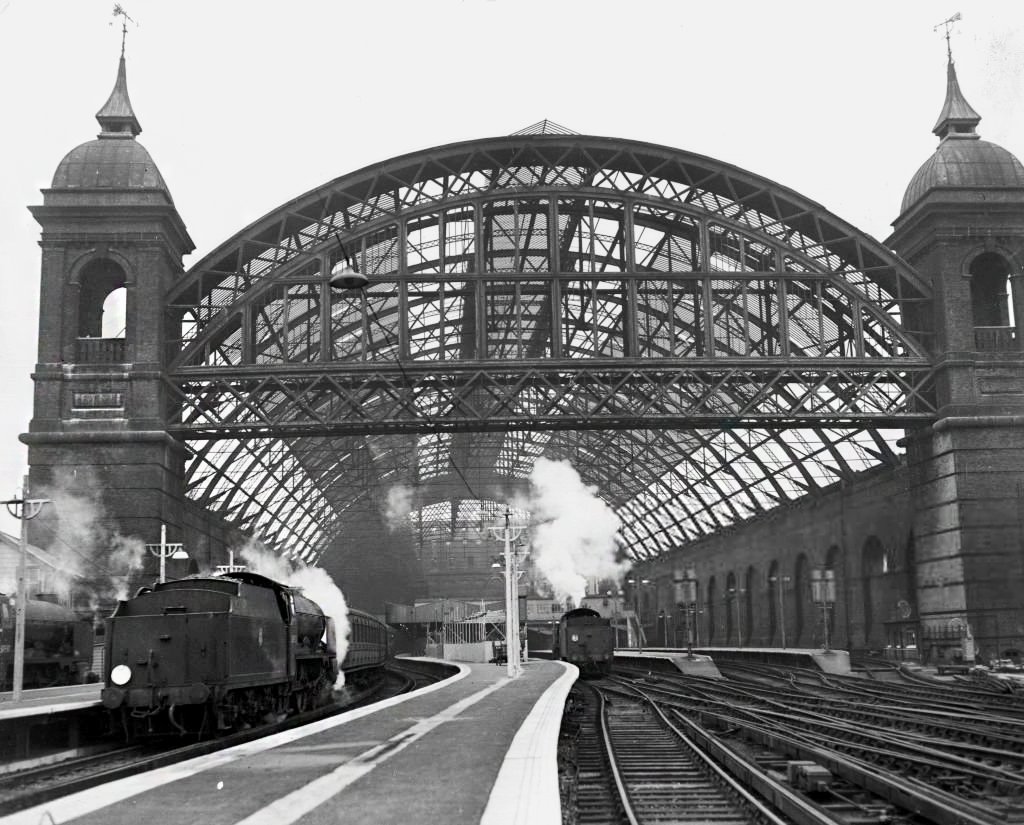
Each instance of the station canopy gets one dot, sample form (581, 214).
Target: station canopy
(700, 343)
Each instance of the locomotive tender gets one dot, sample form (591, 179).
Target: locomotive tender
(586, 639)
(206, 653)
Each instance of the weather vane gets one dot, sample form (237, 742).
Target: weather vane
(120, 12)
(948, 24)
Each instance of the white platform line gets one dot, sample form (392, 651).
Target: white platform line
(85, 802)
(526, 790)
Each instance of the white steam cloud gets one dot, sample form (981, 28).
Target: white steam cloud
(398, 506)
(90, 555)
(316, 584)
(573, 533)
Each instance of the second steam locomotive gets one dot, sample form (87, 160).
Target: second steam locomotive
(586, 639)
(206, 653)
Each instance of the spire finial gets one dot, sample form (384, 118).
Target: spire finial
(120, 12)
(948, 25)
(117, 117)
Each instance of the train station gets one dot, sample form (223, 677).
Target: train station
(453, 466)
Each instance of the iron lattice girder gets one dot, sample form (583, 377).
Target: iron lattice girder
(576, 170)
(665, 289)
(378, 398)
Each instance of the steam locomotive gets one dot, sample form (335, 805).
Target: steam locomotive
(208, 653)
(58, 644)
(586, 639)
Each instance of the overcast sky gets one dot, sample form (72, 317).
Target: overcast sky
(245, 105)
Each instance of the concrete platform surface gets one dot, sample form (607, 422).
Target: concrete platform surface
(433, 756)
(45, 701)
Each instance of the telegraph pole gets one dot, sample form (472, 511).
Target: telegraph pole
(24, 509)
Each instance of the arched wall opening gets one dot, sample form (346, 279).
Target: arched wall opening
(712, 597)
(102, 295)
(731, 606)
(990, 290)
(114, 314)
(748, 615)
(774, 595)
(801, 598)
(874, 564)
(832, 562)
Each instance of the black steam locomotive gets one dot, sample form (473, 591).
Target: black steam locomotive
(586, 639)
(204, 654)
(58, 644)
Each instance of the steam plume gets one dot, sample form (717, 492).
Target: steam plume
(89, 554)
(399, 505)
(573, 533)
(315, 582)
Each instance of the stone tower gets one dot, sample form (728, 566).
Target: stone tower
(112, 243)
(962, 225)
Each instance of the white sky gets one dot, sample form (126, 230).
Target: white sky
(245, 105)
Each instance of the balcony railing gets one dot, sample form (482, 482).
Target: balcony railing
(100, 351)
(995, 339)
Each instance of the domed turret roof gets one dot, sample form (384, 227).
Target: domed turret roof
(962, 160)
(115, 159)
(965, 164)
(108, 163)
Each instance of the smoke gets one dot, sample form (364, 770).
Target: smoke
(574, 531)
(90, 556)
(398, 507)
(315, 582)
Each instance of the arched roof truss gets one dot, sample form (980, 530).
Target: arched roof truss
(706, 343)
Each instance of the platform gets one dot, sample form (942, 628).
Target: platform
(48, 701)
(670, 660)
(477, 747)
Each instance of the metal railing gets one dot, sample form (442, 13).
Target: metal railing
(100, 351)
(995, 339)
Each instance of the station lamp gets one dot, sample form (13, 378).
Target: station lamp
(344, 274)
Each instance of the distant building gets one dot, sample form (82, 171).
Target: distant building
(43, 572)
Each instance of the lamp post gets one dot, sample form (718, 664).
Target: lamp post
(736, 592)
(686, 598)
(509, 533)
(637, 583)
(165, 551)
(615, 613)
(823, 592)
(24, 509)
(778, 580)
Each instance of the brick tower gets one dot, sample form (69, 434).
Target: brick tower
(962, 225)
(112, 243)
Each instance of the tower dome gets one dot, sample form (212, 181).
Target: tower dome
(962, 160)
(115, 159)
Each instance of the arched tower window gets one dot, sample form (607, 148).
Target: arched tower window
(114, 314)
(990, 278)
(101, 279)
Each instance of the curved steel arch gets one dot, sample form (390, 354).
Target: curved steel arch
(546, 283)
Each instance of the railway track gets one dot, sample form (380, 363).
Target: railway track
(634, 766)
(911, 764)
